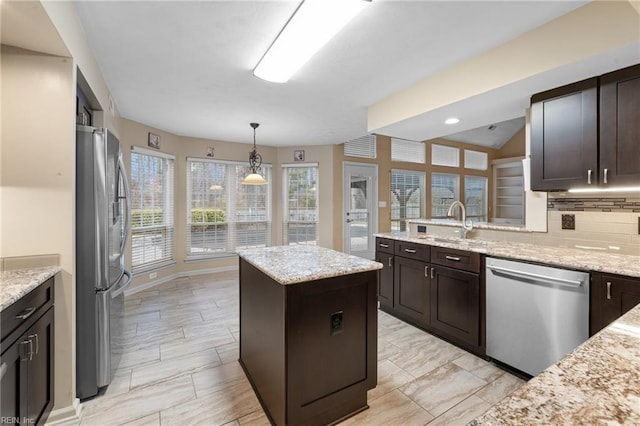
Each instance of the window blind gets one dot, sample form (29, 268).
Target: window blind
(300, 214)
(364, 147)
(408, 151)
(152, 209)
(407, 189)
(476, 160)
(445, 189)
(442, 155)
(222, 214)
(475, 197)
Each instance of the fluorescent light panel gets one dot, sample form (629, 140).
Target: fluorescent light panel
(313, 24)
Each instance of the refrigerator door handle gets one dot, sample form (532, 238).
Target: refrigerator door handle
(119, 289)
(127, 205)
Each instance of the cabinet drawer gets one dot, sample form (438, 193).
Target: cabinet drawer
(26, 308)
(412, 250)
(384, 245)
(458, 259)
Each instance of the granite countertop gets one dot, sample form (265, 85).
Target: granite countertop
(476, 225)
(573, 258)
(296, 264)
(597, 383)
(15, 284)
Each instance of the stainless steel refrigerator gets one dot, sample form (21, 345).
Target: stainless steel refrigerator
(102, 226)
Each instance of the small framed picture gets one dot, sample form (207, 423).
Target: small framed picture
(210, 151)
(154, 140)
(298, 155)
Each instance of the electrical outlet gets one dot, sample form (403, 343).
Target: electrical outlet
(336, 323)
(568, 221)
(153, 275)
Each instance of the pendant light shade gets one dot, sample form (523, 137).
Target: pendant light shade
(255, 161)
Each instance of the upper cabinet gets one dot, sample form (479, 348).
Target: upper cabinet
(567, 148)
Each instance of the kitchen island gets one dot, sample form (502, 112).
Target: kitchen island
(308, 332)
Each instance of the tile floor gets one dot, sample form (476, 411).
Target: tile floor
(180, 367)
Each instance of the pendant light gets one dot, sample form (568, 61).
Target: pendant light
(255, 161)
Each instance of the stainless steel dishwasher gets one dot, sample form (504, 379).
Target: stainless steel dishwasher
(535, 314)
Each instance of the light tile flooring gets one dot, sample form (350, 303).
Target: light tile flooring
(180, 367)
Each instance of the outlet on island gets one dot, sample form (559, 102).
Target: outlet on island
(153, 275)
(336, 323)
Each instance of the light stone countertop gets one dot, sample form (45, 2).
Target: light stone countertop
(16, 283)
(296, 264)
(566, 257)
(596, 384)
(476, 225)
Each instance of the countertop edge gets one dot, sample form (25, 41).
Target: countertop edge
(15, 284)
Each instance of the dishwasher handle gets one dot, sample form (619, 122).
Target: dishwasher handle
(537, 277)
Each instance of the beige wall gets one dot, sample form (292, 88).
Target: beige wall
(515, 147)
(38, 103)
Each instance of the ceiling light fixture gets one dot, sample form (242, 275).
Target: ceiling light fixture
(311, 27)
(255, 161)
(604, 190)
(452, 120)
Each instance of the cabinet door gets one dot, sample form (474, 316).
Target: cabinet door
(620, 127)
(411, 292)
(611, 297)
(564, 137)
(455, 304)
(385, 279)
(40, 369)
(14, 374)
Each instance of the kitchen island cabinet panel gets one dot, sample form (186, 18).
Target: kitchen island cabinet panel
(385, 279)
(611, 297)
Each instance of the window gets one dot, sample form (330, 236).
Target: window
(476, 160)
(475, 197)
(444, 191)
(222, 214)
(442, 155)
(364, 146)
(407, 189)
(300, 216)
(408, 151)
(151, 209)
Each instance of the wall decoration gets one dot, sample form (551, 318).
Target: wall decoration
(210, 151)
(154, 140)
(298, 155)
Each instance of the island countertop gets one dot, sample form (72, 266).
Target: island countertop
(16, 283)
(297, 264)
(597, 383)
(613, 263)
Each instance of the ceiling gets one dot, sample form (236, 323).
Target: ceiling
(493, 135)
(186, 67)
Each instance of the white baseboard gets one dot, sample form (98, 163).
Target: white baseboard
(67, 416)
(177, 275)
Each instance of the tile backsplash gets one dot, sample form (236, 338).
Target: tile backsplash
(623, 204)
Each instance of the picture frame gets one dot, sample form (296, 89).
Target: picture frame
(298, 155)
(153, 141)
(210, 151)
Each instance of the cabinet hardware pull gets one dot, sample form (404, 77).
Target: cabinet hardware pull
(390, 260)
(35, 336)
(3, 369)
(432, 269)
(29, 351)
(589, 177)
(606, 172)
(454, 258)
(410, 251)
(426, 272)
(384, 245)
(608, 290)
(26, 313)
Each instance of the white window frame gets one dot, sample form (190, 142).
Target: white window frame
(311, 218)
(469, 207)
(148, 234)
(400, 223)
(403, 150)
(441, 213)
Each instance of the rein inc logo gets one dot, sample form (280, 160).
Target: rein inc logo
(5, 420)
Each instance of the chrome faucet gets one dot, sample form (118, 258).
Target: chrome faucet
(465, 227)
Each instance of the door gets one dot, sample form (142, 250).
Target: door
(611, 297)
(40, 368)
(360, 201)
(564, 137)
(411, 281)
(620, 127)
(13, 375)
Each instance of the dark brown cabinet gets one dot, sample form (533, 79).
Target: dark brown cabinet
(411, 290)
(587, 134)
(611, 297)
(620, 127)
(27, 358)
(564, 137)
(385, 279)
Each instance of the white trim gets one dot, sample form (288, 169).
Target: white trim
(233, 162)
(145, 151)
(300, 165)
(66, 416)
(374, 205)
(177, 275)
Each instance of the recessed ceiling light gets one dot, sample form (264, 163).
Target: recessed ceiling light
(452, 120)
